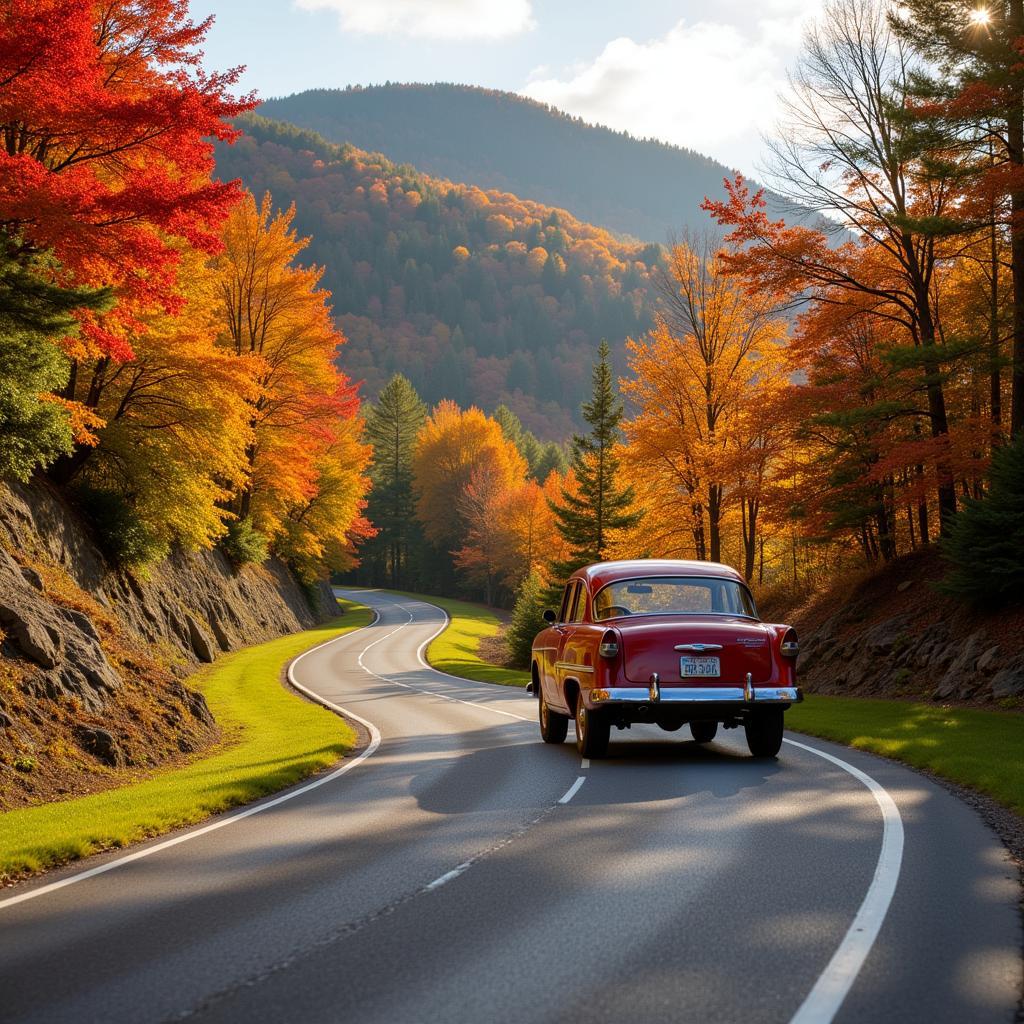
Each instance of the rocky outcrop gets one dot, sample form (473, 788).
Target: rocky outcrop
(93, 657)
(901, 637)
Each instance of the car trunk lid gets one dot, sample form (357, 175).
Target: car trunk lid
(651, 646)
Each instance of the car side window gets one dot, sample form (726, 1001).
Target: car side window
(570, 592)
(580, 605)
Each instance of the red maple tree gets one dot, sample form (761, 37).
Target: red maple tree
(106, 122)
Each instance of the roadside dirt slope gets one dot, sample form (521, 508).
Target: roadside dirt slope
(92, 658)
(892, 633)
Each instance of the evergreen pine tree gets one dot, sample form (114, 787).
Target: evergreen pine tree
(985, 546)
(34, 313)
(527, 620)
(551, 459)
(392, 425)
(527, 444)
(588, 518)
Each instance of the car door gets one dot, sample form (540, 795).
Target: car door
(565, 665)
(575, 654)
(555, 645)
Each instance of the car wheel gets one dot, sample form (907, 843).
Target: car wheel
(703, 732)
(553, 726)
(764, 732)
(670, 724)
(592, 730)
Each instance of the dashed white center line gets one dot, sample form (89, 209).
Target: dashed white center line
(573, 789)
(585, 763)
(448, 876)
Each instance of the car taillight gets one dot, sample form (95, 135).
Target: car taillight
(789, 647)
(609, 647)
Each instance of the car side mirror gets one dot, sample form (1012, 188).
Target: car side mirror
(549, 617)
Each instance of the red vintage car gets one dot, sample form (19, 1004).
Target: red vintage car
(665, 642)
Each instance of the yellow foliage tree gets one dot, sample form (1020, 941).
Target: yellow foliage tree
(694, 444)
(451, 445)
(322, 531)
(176, 419)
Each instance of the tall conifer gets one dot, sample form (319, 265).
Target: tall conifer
(391, 427)
(588, 518)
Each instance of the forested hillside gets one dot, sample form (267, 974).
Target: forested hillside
(479, 297)
(499, 140)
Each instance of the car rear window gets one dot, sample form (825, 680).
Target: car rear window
(674, 595)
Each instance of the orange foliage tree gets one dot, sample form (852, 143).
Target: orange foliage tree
(277, 321)
(451, 445)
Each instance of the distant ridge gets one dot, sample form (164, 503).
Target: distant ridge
(637, 187)
(477, 296)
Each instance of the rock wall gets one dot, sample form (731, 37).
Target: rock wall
(92, 657)
(895, 634)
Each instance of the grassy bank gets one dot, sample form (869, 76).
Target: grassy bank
(983, 750)
(271, 739)
(456, 650)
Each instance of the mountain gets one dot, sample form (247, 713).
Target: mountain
(478, 296)
(498, 140)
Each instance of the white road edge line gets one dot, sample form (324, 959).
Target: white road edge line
(573, 790)
(375, 739)
(834, 983)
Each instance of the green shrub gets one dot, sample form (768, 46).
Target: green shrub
(527, 620)
(244, 544)
(125, 539)
(985, 546)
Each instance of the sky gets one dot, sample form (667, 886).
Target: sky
(697, 73)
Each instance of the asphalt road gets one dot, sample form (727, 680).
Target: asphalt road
(462, 872)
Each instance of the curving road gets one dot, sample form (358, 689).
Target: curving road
(462, 872)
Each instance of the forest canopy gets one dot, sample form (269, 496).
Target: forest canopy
(478, 297)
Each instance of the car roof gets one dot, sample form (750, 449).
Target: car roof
(600, 573)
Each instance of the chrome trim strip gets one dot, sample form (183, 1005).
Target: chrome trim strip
(701, 695)
(651, 615)
(571, 666)
(698, 648)
(680, 576)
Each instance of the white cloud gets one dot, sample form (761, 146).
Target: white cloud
(710, 85)
(433, 19)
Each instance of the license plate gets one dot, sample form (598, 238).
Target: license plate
(699, 668)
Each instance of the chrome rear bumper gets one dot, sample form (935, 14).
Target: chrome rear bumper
(697, 695)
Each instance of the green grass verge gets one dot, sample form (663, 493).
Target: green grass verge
(983, 750)
(271, 740)
(455, 651)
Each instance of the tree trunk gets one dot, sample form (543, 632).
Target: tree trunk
(937, 419)
(749, 512)
(699, 542)
(995, 370)
(715, 521)
(1015, 155)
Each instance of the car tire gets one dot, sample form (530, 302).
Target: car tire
(764, 732)
(592, 730)
(703, 732)
(554, 727)
(671, 724)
